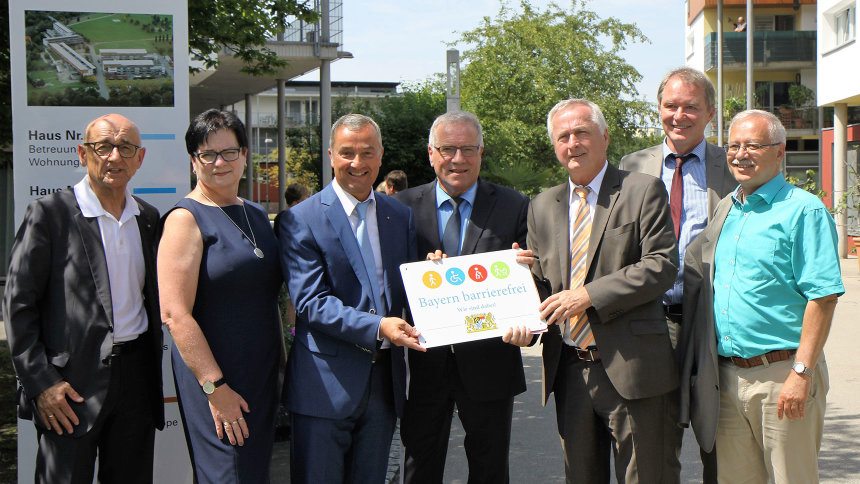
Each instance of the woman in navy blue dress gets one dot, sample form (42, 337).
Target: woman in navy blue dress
(219, 277)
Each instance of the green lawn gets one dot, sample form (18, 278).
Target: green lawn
(114, 27)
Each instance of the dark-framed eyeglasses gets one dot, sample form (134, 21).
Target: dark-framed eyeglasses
(104, 149)
(748, 147)
(449, 152)
(209, 157)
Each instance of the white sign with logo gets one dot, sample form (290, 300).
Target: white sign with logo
(471, 297)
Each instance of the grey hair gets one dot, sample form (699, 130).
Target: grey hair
(455, 117)
(354, 122)
(690, 76)
(775, 129)
(596, 114)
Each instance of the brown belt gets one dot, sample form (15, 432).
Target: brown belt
(770, 357)
(588, 354)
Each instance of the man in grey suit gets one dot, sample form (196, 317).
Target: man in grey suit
(82, 318)
(686, 100)
(481, 377)
(606, 354)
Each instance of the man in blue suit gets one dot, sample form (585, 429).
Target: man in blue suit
(346, 375)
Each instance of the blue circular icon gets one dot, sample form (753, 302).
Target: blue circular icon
(455, 276)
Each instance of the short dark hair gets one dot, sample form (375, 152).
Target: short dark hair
(295, 192)
(397, 180)
(208, 122)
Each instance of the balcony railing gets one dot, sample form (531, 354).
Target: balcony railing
(768, 47)
(309, 33)
(792, 118)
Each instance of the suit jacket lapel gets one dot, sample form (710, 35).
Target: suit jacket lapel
(88, 228)
(336, 215)
(718, 176)
(653, 164)
(386, 246)
(605, 201)
(560, 217)
(484, 203)
(424, 212)
(709, 246)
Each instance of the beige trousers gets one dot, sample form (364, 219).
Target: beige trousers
(753, 445)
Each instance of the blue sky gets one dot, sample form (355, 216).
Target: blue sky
(397, 40)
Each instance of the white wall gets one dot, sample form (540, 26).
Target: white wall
(838, 67)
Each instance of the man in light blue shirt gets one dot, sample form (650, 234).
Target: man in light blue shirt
(763, 314)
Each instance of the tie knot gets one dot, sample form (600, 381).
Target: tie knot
(361, 209)
(679, 160)
(581, 192)
(456, 201)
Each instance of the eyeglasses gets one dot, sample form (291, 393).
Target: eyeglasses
(732, 149)
(209, 157)
(104, 149)
(449, 152)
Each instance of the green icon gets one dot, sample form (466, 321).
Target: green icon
(500, 270)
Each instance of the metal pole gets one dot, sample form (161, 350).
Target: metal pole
(282, 148)
(840, 172)
(249, 167)
(719, 72)
(325, 119)
(452, 97)
(750, 58)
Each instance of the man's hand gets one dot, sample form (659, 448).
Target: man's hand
(518, 336)
(228, 412)
(564, 305)
(436, 256)
(524, 256)
(792, 398)
(54, 409)
(400, 333)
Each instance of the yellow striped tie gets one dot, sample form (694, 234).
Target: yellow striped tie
(578, 330)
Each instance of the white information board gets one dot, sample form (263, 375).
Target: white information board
(471, 297)
(71, 62)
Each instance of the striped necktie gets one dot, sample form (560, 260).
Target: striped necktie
(578, 330)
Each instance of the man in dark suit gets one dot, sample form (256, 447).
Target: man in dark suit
(346, 374)
(82, 318)
(686, 100)
(604, 242)
(482, 377)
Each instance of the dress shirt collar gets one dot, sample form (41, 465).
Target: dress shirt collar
(92, 207)
(348, 201)
(468, 195)
(698, 151)
(766, 192)
(594, 185)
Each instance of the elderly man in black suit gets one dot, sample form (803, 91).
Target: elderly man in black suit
(459, 214)
(82, 318)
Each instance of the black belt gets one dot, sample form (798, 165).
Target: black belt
(587, 354)
(674, 312)
(127, 347)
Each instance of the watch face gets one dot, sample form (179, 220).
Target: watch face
(800, 368)
(208, 387)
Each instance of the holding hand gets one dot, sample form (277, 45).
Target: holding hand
(564, 305)
(518, 336)
(400, 333)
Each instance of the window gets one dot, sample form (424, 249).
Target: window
(845, 27)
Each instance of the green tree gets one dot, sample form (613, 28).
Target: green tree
(521, 62)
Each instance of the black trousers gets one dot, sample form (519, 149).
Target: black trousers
(426, 426)
(123, 436)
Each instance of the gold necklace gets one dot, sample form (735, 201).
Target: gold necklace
(252, 239)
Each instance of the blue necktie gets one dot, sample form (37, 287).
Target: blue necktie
(451, 235)
(367, 253)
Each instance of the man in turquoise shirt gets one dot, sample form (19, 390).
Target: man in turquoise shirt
(762, 290)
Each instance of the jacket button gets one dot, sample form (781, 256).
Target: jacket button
(372, 311)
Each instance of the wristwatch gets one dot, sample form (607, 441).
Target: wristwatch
(209, 387)
(801, 369)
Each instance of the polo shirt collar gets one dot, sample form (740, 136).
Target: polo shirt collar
(766, 192)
